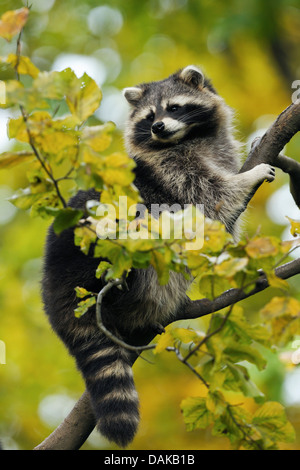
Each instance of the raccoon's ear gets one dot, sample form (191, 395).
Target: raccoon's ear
(133, 95)
(193, 76)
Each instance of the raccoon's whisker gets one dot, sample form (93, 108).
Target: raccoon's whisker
(191, 114)
(142, 131)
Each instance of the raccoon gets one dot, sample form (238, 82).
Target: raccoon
(179, 133)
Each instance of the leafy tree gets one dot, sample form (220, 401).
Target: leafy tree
(64, 151)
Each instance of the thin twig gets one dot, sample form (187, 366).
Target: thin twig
(184, 361)
(102, 327)
(209, 335)
(247, 437)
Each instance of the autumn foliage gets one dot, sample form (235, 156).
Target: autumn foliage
(63, 151)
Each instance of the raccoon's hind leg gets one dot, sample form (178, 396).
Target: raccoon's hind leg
(109, 380)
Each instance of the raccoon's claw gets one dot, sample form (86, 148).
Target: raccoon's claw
(266, 172)
(271, 174)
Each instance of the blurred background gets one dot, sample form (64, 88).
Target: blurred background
(250, 49)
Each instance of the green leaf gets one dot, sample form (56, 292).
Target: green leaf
(23, 65)
(243, 352)
(84, 237)
(215, 403)
(84, 306)
(83, 97)
(209, 286)
(81, 292)
(241, 382)
(103, 266)
(195, 413)
(66, 218)
(24, 198)
(10, 159)
(17, 94)
(235, 424)
(272, 422)
(240, 328)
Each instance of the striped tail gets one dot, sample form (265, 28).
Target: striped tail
(109, 380)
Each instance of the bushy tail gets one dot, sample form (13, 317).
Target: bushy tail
(109, 380)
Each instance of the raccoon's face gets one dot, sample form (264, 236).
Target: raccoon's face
(167, 112)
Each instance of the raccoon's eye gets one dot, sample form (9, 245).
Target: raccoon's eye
(150, 116)
(173, 108)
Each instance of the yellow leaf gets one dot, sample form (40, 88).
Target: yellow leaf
(229, 268)
(9, 159)
(12, 22)
(187, 335)
(262, 247)
(295, 226)
(196, 261)
(17, 129)
(215, 236)
(194, 291)
(84, 97)
(117, 169)
(288, 245)
(160, 262)
(23, 65)
(275, 281)
(165, 340)
(98, 137)
(279, 306)
(54, 142)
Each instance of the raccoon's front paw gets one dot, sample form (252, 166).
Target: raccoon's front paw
(265, 172)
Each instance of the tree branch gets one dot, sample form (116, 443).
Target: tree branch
(199, 308)
(267, 149)
(72, 433)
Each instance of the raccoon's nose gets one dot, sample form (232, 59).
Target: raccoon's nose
(158, 127)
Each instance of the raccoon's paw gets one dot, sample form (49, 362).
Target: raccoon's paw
(265, 172)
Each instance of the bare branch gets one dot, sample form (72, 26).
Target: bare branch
(74, 430)
(199, 308)
(268, 148)
(102, 327)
